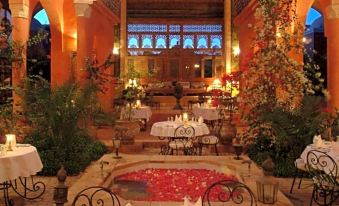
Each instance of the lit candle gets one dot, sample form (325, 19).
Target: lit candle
(185, 117)
(138, 103)
(135, 82)
(10, 142)
(130, 82)
(209, 101)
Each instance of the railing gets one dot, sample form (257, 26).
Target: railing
(113, 5)
(238, 6)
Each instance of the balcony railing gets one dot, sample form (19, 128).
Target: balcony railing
(238, 6)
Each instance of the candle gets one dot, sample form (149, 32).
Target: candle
(209, 101)
(130, 82)
(138, 103)
(135, 82)
(185, 117)
(10, 141)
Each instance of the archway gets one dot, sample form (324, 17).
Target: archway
(315, 42)
(39, 54)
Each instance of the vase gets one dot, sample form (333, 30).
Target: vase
(227, 133)
(132, 128)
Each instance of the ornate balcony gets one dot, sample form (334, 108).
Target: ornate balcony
(113, 5)
(238, 6)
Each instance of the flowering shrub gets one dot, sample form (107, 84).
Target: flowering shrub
(272, 77)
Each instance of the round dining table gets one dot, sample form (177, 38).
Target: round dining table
(17, 165)
(167, 128)
(24, 161)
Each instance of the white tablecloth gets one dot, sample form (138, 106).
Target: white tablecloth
(331, 148)
(207, 113)
(22, 162)
(167, 128)
(143, 112)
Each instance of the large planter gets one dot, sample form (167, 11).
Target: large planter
(227, 133)
(131, 128)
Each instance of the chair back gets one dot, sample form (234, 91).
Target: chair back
(319, 163)
(184, 132)
(96, 196)
(228, 191)
(323, 170)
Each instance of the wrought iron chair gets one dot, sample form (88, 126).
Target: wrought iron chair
(184, 139)
(300, 170)
(228, 191)
(96, 196)
(324, 172)
(211, 139)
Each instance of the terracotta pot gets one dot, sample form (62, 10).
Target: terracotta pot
(227, 133)
(132, 129)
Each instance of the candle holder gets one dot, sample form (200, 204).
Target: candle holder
(238, 148)
(10, 142)
(116, 145)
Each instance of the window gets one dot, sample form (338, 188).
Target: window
(216, 41)
(160, 42)
(133, 41)
(147, 41)
(202, 42)
(174, 28)
(188, 41)
(174, 41)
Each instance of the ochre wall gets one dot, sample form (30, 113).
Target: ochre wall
(71, 34)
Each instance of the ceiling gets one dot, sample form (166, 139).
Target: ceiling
(175, 8)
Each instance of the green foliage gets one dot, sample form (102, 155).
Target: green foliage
(58, 120)
(288, 134)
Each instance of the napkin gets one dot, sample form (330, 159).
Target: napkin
(319, 143)
(200, 120)
(316, 138)
(188, 203)
(176, 119)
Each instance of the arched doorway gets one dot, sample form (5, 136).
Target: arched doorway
(315, 43)
(39, 54)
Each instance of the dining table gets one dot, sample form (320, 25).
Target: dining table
(18, 165)
(330, 148)
(206, 112)
(143, 113)
(167, 128)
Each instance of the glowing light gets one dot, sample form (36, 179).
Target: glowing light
(236, 51)
(115, 51)
(304, 40)
(278, 34)
(196, 66)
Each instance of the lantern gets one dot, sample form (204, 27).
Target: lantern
(267, 190)
(116, 145)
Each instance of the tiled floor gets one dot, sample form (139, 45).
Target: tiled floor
(95, 176)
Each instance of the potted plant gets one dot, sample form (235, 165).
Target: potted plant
(178, 94)
(227, 100)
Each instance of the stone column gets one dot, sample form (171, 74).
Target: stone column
(228, 35)
(20, 33)
(84, 37)
(123, 37)
(332, 33)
